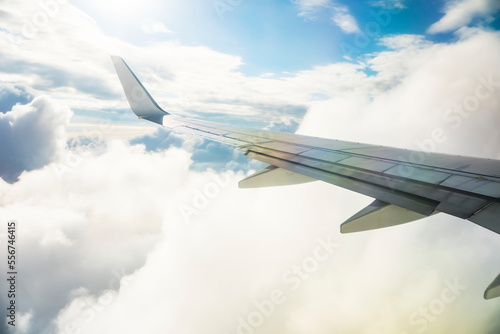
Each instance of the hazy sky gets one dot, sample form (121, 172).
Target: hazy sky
(124, 227)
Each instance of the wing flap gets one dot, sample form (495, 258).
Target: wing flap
(493, 290)
(488, 217)
(414, 203)
(273, 176)
(358, 179)
(379, 215)
(475, 185)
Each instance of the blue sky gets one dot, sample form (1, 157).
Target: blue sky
(126, 227)
(284, 35)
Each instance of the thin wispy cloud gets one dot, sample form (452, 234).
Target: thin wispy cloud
(390, 4)
(157, 27)
(461, 13)
(344, 20)
(340, 14)
(309, 8)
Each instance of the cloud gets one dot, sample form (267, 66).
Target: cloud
(308, 8)
(161, 139)
(157, 27)
(94, 227)
(461, 13)
(407, 70)
(286, 124)
(390, 4)
(23, 325)
(340, 13)
(405, 42)
(205, 154)
(10, 95)
(81, 74)
(344, 20)
(32, 135)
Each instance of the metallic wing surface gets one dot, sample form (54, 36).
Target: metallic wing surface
(406, 185)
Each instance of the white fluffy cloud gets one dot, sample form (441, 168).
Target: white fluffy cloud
(461, 13)
(32, 135)
(432, 86)
(85, 226)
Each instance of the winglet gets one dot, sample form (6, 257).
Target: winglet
(141, 103)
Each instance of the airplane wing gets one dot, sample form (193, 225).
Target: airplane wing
(406, 185)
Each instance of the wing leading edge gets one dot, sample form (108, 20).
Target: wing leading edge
(407, 185)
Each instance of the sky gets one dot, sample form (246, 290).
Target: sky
(126, 227)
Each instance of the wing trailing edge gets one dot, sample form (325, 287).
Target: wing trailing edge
(487, 217)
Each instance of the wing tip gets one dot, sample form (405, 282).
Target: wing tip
(140, 101)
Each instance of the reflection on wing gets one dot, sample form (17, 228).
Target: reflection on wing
(407, 185)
